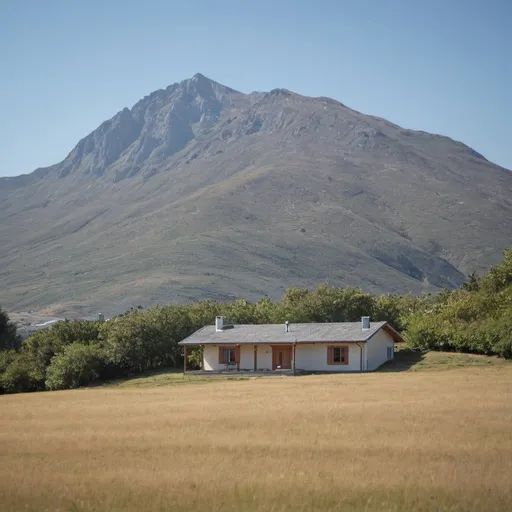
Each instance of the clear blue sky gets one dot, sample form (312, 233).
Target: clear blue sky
(443, 66)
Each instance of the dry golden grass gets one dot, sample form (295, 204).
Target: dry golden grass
(432, 440)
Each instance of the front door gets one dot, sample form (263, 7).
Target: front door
(281, 358)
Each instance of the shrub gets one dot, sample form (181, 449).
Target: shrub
(195, 358)
(22, 374)
(6, 358)
(77, 365)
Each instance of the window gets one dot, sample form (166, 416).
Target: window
(337, 355)
(390, 353)
(228, 355)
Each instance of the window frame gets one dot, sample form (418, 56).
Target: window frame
(344, 355)
(236, 354)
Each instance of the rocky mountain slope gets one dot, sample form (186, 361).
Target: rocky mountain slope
(200, 191)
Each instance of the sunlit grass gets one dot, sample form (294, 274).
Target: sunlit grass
(412, 440)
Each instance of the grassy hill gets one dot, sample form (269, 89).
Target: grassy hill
(431, 440)
(406, 360)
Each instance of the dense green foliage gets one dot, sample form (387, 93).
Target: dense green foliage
(77, 365)
(9, 339)
(475, 318)
(28, 371)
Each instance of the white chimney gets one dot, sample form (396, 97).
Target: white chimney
(219, 323)
(365, 322)
(287, 326)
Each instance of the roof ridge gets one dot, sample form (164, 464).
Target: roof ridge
(308, 323)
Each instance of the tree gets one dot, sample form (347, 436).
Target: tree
(265, 311)
(77, 365)
(22, 375)
(475, 318)
(6, 358)
(472, 284)
(9, 338)
(500, 276)
(143, 340)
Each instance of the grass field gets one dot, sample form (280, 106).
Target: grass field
(435, 437)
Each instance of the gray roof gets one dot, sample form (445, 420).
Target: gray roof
(275, 333)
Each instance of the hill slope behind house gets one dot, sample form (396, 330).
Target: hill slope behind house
(200, 191)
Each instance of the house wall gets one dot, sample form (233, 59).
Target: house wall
(309, 356)
(264, 357)
(211, 357)
(313, 357)
(376, 349)
(246, 357)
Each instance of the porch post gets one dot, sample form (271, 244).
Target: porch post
(185, 353)
(294, 354)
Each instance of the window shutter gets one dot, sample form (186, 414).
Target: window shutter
(329, 355)
(345, 355)
(237, 354)
(221, 355)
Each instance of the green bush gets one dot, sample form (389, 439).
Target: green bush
(149, 339)
(77, 365)
(21, 375)
(195, 358)
(475, 318)
(6, 358)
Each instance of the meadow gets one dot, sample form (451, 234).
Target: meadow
(431, 434)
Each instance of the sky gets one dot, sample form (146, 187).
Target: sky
(442, 66)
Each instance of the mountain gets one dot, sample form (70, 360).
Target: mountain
(201, 191)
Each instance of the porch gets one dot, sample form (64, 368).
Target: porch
(245, 373)
(246, 358)
(279, 358)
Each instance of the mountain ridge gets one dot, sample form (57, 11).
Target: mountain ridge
(293, 190)
(203, 79)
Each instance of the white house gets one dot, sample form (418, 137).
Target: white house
(312, 347)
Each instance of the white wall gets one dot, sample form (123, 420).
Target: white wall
(313, 357)
(246, 357)
(264, 357)
(211, 358)
(376, 349)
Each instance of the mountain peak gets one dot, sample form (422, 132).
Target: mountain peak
(203, 83)
(199, 76)
(266, 190)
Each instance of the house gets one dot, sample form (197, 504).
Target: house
(313, 347)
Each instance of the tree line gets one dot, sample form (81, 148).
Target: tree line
(474, 318)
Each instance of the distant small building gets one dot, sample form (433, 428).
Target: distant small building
(25, 331)
(311, 347)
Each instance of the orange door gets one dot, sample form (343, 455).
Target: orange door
(281, 358)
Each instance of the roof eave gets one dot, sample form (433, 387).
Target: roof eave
(276, 342)
(393, 333)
